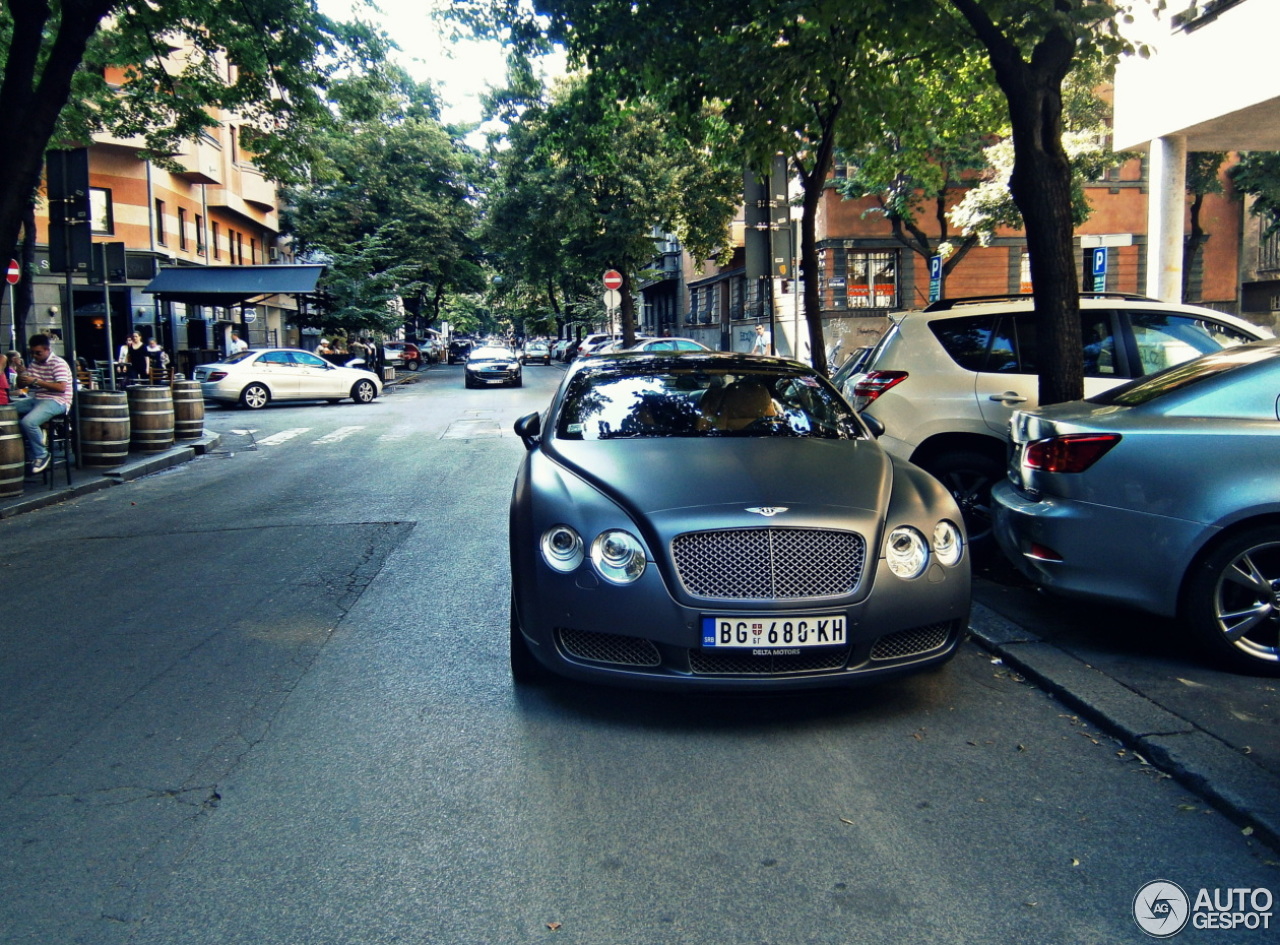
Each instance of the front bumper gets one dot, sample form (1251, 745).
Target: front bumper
(574, 630)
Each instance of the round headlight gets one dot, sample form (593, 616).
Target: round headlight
(906, 552)
(618, 556)
(561, 548)
(947, 543)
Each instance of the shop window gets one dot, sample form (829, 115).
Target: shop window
(870, 279)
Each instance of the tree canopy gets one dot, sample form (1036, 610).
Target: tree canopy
(75, 67)
(391, 205)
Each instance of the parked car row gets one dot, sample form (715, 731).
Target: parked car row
(1158, 491)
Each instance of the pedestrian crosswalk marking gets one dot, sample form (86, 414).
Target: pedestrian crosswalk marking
(282, 437)
(337, 435)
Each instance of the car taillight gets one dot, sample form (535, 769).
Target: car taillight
(875, 383)
(1072, 453)
(216, 375)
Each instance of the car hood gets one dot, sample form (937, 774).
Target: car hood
(810, 479)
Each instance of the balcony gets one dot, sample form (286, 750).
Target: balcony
(201, 161)
(256, 189)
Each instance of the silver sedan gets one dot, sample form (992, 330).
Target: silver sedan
(255, 378)
(1164, 495)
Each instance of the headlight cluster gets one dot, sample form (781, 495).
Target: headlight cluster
(617, 555)
(906, 551)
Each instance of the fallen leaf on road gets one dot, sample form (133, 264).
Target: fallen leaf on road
(1247, 831)
(846, 820)
(553, 926)
(1074, 861)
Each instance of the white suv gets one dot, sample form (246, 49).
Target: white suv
(944, 381)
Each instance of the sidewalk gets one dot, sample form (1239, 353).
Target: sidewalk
(1135, 678)
(36, 495)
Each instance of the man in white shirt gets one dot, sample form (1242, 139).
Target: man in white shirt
(236, 344)
(761, 345)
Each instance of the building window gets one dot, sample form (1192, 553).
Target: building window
(253, 251)
(201, 248)
(1268, 250)
(101, 219)
(217, 253)
(233, 150)
(182, 228)
(160, 222)
(870, 279)
(240, 248)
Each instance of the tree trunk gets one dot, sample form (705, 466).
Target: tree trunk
(814, 182)
(1041, 187)
(628, 310)
(31, 98)
(24, 295)
(1194, 242)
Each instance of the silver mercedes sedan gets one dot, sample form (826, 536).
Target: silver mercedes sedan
(1162, 494)
(259, 376)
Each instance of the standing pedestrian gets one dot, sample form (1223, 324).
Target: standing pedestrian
(761, 345)
(236, 345)
(130, 359)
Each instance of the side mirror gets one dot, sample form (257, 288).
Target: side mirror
(528, 428)
(872, 424)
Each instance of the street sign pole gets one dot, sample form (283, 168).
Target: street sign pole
(12, 277)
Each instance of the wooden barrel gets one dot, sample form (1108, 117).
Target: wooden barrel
(150, 418)
(12, 453)
(188, 410)
(104, 428)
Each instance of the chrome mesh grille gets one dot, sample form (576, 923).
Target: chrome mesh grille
(608, 648)
(912, 642)
(744, 663)
(769, 563)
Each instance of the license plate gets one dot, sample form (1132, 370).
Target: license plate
(773, 633)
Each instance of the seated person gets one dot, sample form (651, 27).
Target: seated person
(50, 383)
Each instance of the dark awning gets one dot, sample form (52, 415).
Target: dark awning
(231, 285)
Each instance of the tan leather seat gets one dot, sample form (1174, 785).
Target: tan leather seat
(738, 406)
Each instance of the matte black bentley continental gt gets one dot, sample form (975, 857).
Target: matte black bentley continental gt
(724, 522)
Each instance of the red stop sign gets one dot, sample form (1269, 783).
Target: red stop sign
(612, 279)
(14, 273)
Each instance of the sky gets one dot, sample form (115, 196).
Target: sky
(461, 72)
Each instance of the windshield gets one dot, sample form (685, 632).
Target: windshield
(492, 354)
(703, 402)
(1146, 389)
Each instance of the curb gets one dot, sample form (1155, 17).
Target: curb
(145, 466)
(1247, 794)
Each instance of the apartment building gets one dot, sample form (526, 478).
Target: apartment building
(203, 253)
(1209, 85)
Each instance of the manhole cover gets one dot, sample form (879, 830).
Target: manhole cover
(472, 430)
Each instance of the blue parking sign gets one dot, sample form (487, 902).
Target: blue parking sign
(1100, 269)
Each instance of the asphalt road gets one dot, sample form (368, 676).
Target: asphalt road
(263, 698)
